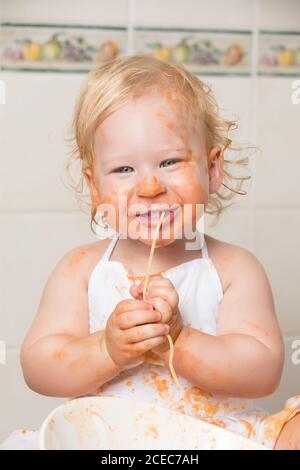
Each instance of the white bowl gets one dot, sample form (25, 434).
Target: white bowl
(110, 423)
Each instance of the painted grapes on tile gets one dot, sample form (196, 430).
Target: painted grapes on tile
(279, 53)
(62, 49)
(82, 48)
(200, 52)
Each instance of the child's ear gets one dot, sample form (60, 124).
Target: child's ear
(89, 178)
(215, 168)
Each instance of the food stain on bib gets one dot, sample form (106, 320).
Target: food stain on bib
(248, 427)
(273, 426)
(160, 385)
(120, 289)
(199, 402)
(152, 431)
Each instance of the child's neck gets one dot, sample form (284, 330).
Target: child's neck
(134, 254)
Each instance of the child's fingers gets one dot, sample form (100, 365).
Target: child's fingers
(163, 307)
(149, 344)
(141, 333)
(134, 290)
(130, 319)
(128, 305)
(137, 290)
(156, 280)
(168, 294)
(168, 291)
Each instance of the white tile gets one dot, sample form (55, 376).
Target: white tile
(106, 12)
(34, 124)
(232, 227)
(236, 14)
(278, 166)
(39, 108)
(19, 406)
(276, 244)
(280, 15)
(31, 245)
(290, 381)
(234, 96)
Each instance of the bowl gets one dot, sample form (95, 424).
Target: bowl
(111, 423)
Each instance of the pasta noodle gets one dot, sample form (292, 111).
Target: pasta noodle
(147, 276)
(171, 367)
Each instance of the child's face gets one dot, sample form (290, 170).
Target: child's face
(151, 152)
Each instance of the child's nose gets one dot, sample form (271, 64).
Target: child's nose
(150, 187)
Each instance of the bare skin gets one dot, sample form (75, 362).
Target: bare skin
(60, 357)
(53, 352)
(289, 438)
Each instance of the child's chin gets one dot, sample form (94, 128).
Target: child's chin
(159, 242)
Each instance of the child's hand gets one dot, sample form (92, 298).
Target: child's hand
(163, 296)
(133, 329)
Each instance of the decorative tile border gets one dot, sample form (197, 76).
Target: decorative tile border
(202, 52)
(279, 53)
(59, 48)
(78, 48)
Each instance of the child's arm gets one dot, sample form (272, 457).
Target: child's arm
(246, 358)
(59, 357)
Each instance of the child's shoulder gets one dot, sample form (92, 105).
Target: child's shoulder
(232, 261)
(82, 259)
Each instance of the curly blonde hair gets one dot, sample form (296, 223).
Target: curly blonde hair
(113, 84)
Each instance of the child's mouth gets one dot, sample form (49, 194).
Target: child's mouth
(151, 217)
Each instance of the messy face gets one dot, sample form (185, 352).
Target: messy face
(150, 156)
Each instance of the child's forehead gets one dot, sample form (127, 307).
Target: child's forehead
(158, 104)
(160, 110)
(166, 102)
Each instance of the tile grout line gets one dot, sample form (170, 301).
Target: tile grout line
(253, 115)
(13, 349)
(233, 210)
(130, 27)
(289, 336)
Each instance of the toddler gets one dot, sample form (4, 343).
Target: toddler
(149, 141)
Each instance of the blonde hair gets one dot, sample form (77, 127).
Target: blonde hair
(113, 84)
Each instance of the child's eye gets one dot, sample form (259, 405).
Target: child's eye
(170, 162)
(123, 169)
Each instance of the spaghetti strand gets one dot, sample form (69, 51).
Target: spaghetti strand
(146, 282)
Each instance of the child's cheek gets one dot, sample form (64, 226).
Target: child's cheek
(114, 204)
(195, 184)
(191, 184)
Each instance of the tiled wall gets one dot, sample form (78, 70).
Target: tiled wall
(39, 218)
